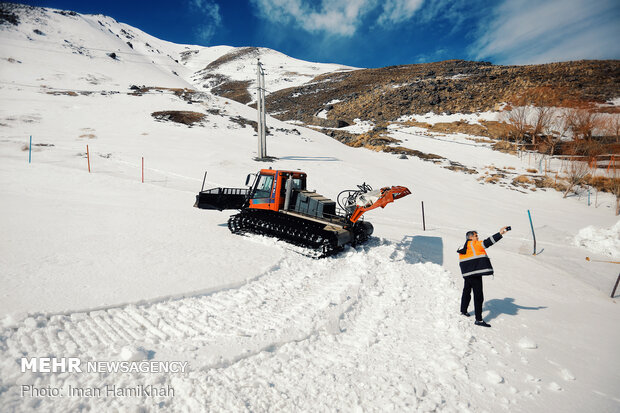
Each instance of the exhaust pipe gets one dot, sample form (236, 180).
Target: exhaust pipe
(289, 190)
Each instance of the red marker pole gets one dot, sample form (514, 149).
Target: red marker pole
(88, 157)
(143, 169)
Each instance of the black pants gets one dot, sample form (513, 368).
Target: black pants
(473, 282)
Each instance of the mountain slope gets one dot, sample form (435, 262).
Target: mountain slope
(100, 52)
(233, 74)
(454, 86)
(100, 266)
(83, 52)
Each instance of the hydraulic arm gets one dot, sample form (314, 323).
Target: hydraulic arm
(376, 199)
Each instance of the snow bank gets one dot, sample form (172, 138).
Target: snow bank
(600, 240)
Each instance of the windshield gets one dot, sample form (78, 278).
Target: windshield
(263, 189)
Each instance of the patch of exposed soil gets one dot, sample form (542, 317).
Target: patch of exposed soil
(63, 92)
(229, 57)
(179, 116)
(376, 140)
(243, 122)
(234, 89)
(239, 120)
(458, 167)
(188, 95)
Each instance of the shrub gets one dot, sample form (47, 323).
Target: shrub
(522, 179)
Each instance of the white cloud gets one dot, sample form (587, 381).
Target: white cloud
(213, 19)
(337, 17)
(528, 31)
(397, 11)
(340, 17)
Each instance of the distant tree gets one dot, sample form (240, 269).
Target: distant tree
(562, 124)
(576, 175)
(556, 129)
(544, 99)
(583, 122)
(517, 118)
(611, 126)
(532, 112)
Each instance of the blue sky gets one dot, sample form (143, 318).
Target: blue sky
(377, 33)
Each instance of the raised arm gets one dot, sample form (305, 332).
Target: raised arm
(494, 238)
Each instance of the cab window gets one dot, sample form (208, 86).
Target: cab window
(298, 183)
(263, 189)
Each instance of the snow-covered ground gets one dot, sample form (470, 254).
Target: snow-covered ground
(600, 240)
(471, 118)
(102, 267)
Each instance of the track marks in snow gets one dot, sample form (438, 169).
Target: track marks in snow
(369, 328)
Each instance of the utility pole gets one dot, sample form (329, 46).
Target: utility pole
(260, 106)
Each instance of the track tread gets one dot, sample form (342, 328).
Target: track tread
(307, 234)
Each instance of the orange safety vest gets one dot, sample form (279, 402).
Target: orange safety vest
(475, 261)
(474, 249)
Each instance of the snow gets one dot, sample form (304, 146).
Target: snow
(604, 241)
(526, 342)
(322, 114)
(472, 118)
(359, 126)
(103, 267)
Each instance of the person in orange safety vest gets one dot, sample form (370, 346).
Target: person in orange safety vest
(475, 264)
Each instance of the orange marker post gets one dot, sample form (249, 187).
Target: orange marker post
(88, 157)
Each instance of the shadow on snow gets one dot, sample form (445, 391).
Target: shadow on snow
(420, 248)
(507, 306)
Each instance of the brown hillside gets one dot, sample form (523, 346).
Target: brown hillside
(451, 86)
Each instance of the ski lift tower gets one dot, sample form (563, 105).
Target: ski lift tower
(260, 106)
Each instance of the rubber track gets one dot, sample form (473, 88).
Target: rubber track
(308, 234)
